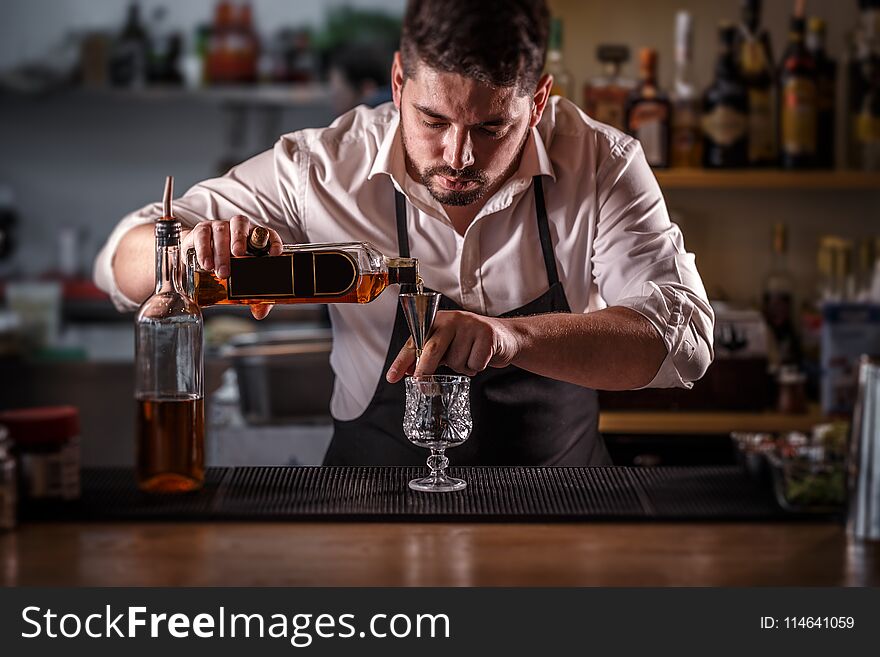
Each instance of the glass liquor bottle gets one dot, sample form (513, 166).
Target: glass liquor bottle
(867, 119)
(648, 112)
(778, 302)
(562, 85)
(725, 109)
(826, 88)
(799, 98)
(605, 96)
(169, 374)
(687, 143)
(863, 46)
(756, 67)
(345, 272)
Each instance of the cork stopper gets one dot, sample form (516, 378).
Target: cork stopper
(258, 241)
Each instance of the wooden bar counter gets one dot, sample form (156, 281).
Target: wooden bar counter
(435, 554)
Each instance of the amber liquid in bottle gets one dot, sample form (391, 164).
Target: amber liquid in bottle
(211, 290)
(170, 456)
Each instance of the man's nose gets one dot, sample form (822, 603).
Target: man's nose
(459, 149)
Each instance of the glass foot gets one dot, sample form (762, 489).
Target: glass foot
(437, 483)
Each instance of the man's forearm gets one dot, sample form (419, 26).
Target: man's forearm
(134, 264)
(611, 349)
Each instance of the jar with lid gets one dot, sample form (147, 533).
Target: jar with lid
(8, 493)
(47, 448)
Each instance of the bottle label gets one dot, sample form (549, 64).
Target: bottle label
(607, 105)
(686, 138)
(868, 128)
(725, 125)
(762, 137)
(309, 274)
(799, 116)
(648, 122)
(753, 58)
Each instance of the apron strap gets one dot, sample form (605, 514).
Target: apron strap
(544, 232)
(400, 214)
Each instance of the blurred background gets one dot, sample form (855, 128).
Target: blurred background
(765, 135)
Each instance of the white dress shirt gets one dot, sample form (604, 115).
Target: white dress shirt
(612, 237)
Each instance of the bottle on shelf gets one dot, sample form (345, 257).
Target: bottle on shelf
(347, 272)
(562, 82)
(778, 302)
(606, 95)
(726, 109)
(826, 90)
(864, 48)
(247, 49)
(220, 59)
(165, 51)
(649, 112)
(836, 280)
(128, 57)
(867, 275)
(755, 57)
(799, 109)
(686, 146)
(169, 374)
(867, 119)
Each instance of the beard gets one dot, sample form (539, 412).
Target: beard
(452, 196)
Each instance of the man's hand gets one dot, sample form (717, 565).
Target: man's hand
(214, 241)
(463, 341)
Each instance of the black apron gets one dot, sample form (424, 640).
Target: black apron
(520, 418)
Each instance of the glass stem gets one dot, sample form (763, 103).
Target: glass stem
(438, 462)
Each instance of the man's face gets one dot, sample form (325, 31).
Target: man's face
(462, 137)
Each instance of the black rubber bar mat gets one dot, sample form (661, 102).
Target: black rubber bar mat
(381, 494)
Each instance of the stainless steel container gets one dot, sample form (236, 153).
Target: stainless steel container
(283, 376)
(863, 517)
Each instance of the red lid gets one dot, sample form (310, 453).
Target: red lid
(48, 425)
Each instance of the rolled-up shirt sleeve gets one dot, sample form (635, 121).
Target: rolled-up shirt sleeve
(639, 262)
(263, 188)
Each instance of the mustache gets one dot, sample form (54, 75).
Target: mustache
(466, 174)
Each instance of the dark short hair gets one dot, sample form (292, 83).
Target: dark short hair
(500, 42)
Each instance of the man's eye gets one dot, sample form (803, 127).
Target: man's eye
(492, 133)
(434, 126)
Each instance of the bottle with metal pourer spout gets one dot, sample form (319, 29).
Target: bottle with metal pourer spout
(169, 373)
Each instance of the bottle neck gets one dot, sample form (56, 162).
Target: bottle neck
(682, 71)
(167, 259)
(815, 41)
(403, 271)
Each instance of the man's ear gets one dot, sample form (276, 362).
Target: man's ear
(539, 100)
(397, 80)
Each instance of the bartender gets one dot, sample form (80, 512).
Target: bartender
(544, 230)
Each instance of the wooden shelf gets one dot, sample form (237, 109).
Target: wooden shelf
(266, 95)
(767, 179)
(683, 422)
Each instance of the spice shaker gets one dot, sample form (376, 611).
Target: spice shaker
(47, 448)
(8, 492)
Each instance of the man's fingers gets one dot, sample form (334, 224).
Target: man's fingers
(478, 360)
(458, 355)
(204, 245)
(220, 239)
(402, 364)
(274, 243)
(260, 310)
(239, 227)
(434, 351)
